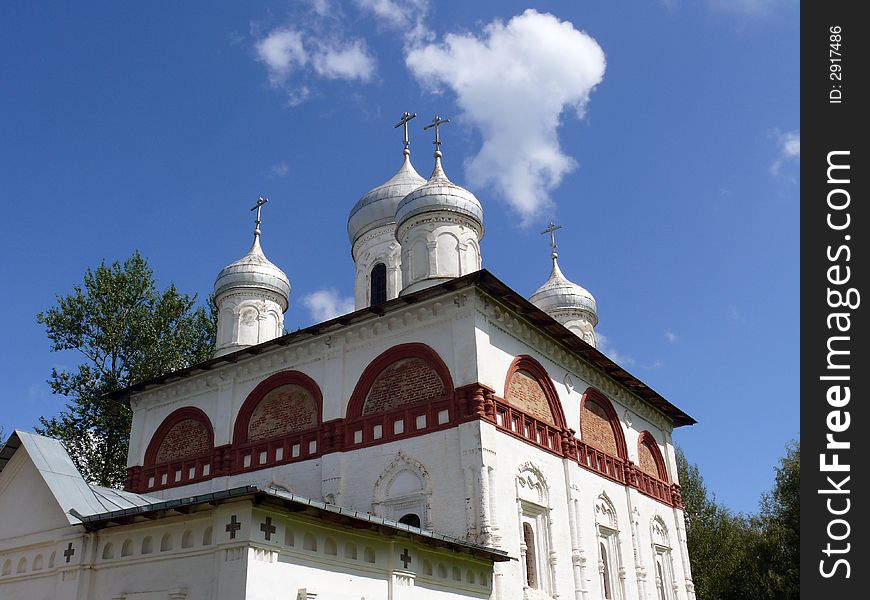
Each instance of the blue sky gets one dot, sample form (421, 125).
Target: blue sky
(673, 168)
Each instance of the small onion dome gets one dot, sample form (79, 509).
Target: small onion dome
(559, 296)
(378, 207)
(254, 271)
(440, 194)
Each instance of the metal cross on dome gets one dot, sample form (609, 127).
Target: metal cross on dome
(404, 121)
(257, 207)
(436, 122)
(551, 229)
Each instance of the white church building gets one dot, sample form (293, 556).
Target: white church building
(447, 439)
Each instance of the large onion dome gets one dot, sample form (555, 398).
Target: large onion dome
(439, 194)
(253, 272)
(378, 207)
(569, 303)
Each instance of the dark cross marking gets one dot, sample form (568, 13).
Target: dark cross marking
(436, 121)
(268, 528)
(405, 558)
(405, 118)
(233, 526)
(551, 229)
(259, 205)
(68, 553)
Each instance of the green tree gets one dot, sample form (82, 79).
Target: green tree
(127, 331)
(779, 521)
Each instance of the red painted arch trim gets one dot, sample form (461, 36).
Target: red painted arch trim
(524, 362)
(411, 350)
(601, 400)
(647, 439)
(182, 414)
(240, 430)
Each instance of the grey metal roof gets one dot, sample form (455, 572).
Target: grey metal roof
(378, 206)
(73, 494)
(317, 508)
(558, 293)
(484, 281)
(253, 270)
(439, 194)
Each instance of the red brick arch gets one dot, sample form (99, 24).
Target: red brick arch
(356, 404)
(176, 417)
(529, 365)
(598, 398)
(240, 429)
(647, 439)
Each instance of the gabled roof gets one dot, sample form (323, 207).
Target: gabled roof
(483, 280)
(71, 492)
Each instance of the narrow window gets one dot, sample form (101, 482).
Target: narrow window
(605, 572)
(660, 579)
(531, 562)
(379, 284)
(411, 519)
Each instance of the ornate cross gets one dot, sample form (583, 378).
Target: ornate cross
(405, 558)
(436, 121)
(551, 229)
(267, 528)
(405, 118)
(260, 202)
(68, 553)
(233, 526)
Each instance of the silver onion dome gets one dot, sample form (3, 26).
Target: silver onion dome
(440, 194)
(378, 207)
(254, 271)
(559, 295)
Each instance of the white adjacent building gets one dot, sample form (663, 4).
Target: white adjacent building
(448, 439)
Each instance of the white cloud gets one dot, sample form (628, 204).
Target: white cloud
(670, 336)
(315, 47)
(325, 304)
(282, 51)
(789, 150)
(280, 169)
(615, 355)
(351, 61)
(407, 17)
(513, 83)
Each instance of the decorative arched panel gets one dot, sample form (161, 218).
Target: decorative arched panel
(649, 457)
(600, 426)
(529, 387)
(286, 403)
(186, 434)
(405, 375)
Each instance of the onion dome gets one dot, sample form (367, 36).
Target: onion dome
(558, 294)
(254, 271)
(439, 194)
(378, 207)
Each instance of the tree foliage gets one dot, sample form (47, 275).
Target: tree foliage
(739, 557)
(127, 331)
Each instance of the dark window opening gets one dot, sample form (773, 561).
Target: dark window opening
(411, 519)
(531, 561)
(379, 284)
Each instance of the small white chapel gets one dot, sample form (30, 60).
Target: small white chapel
(448, 439)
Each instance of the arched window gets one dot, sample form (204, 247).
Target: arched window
(608, 549)
(411, 519)
(529, 387)
(649, 456)
(604, 568)
(185, 440)
(600, 426)
(379, 284)
(404, 375)
(108, 551)
(531, 556)
(284, 404)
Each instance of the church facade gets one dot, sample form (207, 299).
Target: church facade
(448, 439)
